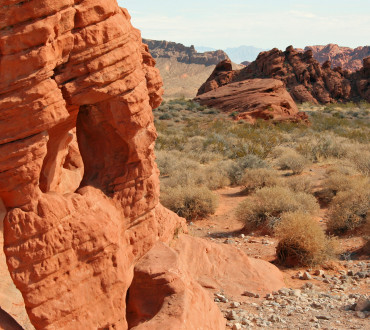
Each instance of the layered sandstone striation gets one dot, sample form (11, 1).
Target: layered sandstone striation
(248, 99)
(78, 176)
(345, 57)
(302, 75)
(70, 240)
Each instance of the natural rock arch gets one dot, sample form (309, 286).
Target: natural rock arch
(72, 244)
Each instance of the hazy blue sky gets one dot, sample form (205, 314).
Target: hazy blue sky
(261, 23)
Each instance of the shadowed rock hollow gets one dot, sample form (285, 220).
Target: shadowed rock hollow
(79, 181)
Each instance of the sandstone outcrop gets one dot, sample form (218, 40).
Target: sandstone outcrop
(70, 246)
(168, 282)
(78, 176)
(249, 99)
(302, 75)
(344, 57)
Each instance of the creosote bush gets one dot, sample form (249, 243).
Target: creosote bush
(302, 241)
(190, 202)
(264, 208)
(349, 210)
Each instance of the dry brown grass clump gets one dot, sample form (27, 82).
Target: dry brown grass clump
(349, 210)
(190, 202)
(299, 184)
(302, 241)
(290, 159)
(265, 207)
(256, 178)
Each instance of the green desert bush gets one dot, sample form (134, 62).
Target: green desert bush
(349, 210)
(264, 208)
(302, 241)
(190, 202)
(235, 169)
(256, 178)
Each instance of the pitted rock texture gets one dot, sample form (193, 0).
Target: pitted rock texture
(77, 169)
(79, 216)
(249, 99)
(302, 75)
(345, 57)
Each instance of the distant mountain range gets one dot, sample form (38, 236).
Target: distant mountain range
(237, 54)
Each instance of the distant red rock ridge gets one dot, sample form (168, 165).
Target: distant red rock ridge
(303, 76)
(345, 57)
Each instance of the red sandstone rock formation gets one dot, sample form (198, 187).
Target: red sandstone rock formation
(73, 244)
(64, 65)
(303, 76)
(171, 279)
(252, 98)
(344, 57)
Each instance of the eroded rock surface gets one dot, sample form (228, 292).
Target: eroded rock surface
(345, 57)
(77, 170)
(249, 99)
(168, 283)
(302, 75)
(71, 242)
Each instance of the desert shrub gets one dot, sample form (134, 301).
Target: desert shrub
(190, 202)
(215, 177)
(165, 116)
(367, 234)
(299, 184)
(256, 178)
(349, 209)
(320, 147)
(167, 161)
(339, 180)
(292, 160)
(235, 168)
(302, 241)
(263, 210)
(361, 160)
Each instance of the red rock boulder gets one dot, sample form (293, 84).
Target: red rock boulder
(253, 99)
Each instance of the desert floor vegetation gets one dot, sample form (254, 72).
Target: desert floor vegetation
(302, 241)
(200, 150)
